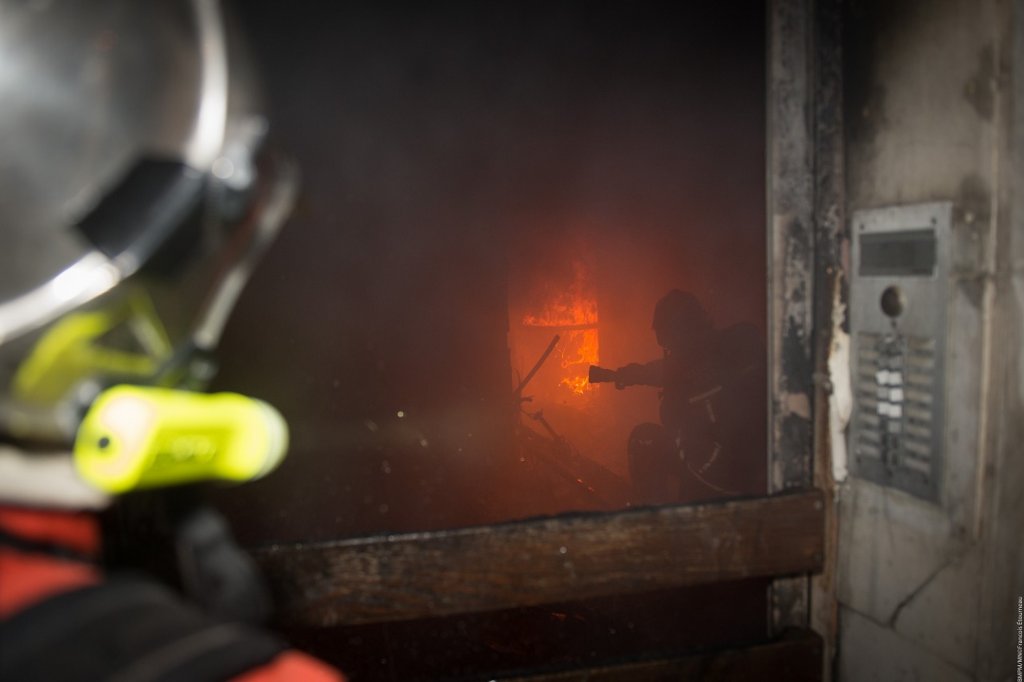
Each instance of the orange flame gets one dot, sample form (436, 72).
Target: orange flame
(575, 311)
(567, 310)
(580, 351)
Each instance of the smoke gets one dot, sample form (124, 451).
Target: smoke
(454, 154)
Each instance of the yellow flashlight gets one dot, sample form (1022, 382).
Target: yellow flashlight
(145, 437)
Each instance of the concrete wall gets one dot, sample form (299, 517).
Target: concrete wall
(929, 592)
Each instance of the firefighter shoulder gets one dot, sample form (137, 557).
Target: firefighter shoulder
(138, 190)
(62, 619)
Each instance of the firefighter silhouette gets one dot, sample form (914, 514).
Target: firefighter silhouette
(710, 439)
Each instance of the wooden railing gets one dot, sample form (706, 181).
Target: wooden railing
(539, 561)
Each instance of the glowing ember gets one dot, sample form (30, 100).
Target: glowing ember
(578, 385)
(573, 310)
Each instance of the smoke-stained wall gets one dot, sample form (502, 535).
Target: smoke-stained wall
(933, 113)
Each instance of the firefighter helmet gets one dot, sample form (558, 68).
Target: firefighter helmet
(136, 193)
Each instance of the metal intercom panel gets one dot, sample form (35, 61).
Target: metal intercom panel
(899, 304)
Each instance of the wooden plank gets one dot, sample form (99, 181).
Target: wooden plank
(791, 252)
(791, 259)
(540, 561)
(794, 658)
